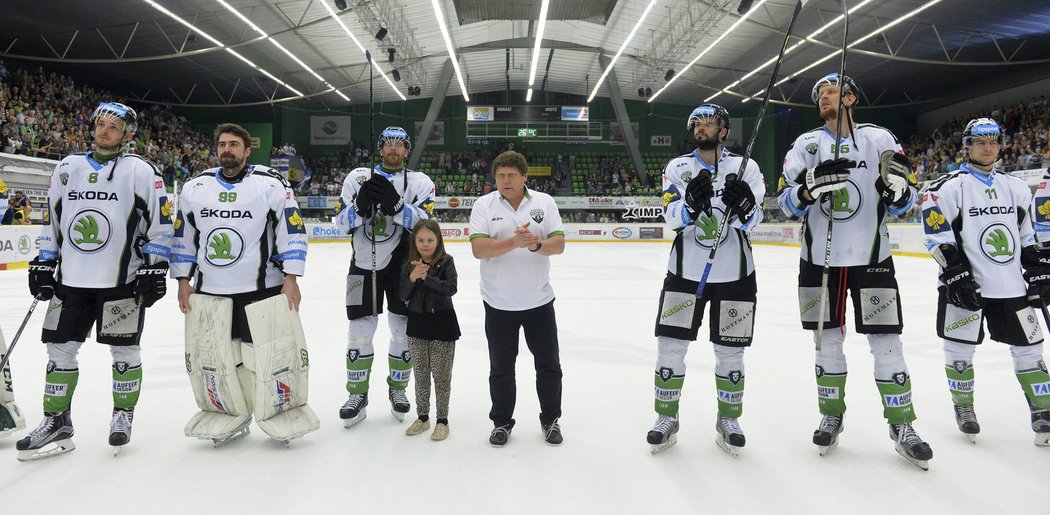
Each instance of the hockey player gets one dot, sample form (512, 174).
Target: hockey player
(379, 207)
(241, 239)
(979, 229)
(700, 188)
(870, 180)
(11, 418)
(103, 258)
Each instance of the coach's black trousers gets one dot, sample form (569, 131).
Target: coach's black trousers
(541, 335)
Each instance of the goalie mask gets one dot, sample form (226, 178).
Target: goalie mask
(113, 109)
(394, 134)
(984, 129)
(849, 87)
(710, 113)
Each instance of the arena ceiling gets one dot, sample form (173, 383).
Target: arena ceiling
(907, 54)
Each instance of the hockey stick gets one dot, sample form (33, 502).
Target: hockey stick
(750, 145)
(14, 341)
(831, 205)
(371, 166)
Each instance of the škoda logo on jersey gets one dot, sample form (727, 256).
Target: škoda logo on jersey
(89, 231)
(224, 248)
(997, 244)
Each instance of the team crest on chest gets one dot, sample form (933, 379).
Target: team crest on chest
(537, 215)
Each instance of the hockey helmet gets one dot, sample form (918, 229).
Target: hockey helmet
(719, 113)
(117, 110)
(833, 78)
(396, 134)
(981, 128)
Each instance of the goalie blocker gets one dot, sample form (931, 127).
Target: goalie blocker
(234, 380)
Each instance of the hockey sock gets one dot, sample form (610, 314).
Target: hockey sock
(668, 390)
(126, 382)
(729, 380)
(358, 368)
(831, 393)
(896, 398)
(1036, 386)
(58, 388)
(960, 382)
(400, 370)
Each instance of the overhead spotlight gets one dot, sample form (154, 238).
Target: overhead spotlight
(396, 74)
(669, 74)
(641, 92)
(381, 34)
(417, 90)
(648, 92)
(192, 37)
(390, 54)
(340, 4)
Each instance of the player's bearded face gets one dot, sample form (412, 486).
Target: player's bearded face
(706, 133)
(230, 159)
(393, 153)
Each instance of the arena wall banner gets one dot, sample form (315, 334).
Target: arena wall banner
(329, 130)
(18, 245)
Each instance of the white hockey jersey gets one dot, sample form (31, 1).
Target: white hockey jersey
(987, 217)
(860, 235)
(415, 188)
(240, 237)
(105, 221)
(692, 245)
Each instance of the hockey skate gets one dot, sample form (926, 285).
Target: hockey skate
(120, 428)
(1041, 426)
(967, 420)
(399, 404)
(353, 410)
(240, 432)
(52, 437)
(664, 433)
(910, 446)
(730, 437)
(826, 437)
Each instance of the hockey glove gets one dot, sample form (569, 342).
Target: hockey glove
(698, 194)
(1037, 275)
(739, 199)
(151, 283)
(386, 197)
(828, 176)
(893, 180)
(962, 290)
(365, 201)
(42, 279)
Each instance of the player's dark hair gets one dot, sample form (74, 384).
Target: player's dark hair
(236, 130)
(510, 159)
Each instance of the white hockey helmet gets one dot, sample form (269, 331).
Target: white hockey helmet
(114, 109)
(849, 87)
(394, 134)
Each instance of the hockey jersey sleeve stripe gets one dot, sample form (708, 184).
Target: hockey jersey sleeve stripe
(183, 258)
(479, 235)
(48, 255)
(787, 203)
(291, 255)
(898, 211)
(157, 249)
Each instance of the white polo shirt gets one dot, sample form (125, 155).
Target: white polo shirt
(520, 279)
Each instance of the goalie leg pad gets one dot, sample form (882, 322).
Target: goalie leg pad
(211, 362)
(11, 418)
(282, 369)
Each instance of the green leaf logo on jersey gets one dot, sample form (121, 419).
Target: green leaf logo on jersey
(88, 229)
(221, 247)
(840, 201)
(379, 226)
(708, 225)
(1000, 243)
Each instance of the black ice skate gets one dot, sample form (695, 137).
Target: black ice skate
(399, 405)
(910, 446)
(120, 428)
(353, 410)
(730, 437)
(967, 420)
(1041, 426)
(52, 437)
(826, 437)
(664, 433)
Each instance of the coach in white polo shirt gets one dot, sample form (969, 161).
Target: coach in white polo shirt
(513, 230)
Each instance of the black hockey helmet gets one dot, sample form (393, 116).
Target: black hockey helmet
(708, 111)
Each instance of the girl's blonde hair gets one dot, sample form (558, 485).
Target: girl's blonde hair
(439, 252)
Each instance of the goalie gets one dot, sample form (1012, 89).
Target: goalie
(240, 237)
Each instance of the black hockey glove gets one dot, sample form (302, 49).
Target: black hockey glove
(962, 290)
(42, 279)
(365, 201)
(698, 194)
(739, 199)
(1037, 275)
(151, 283)
(826, 177)
(894, 178)
(386, 196)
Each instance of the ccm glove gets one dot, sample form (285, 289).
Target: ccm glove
(962, 290)
(386, 197)
(828, 176)
(698, 194)
(42, 279)
(151, 283)
(893, 180)
(1037, 275)
(739, 199)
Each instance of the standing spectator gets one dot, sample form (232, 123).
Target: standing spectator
(514, 231)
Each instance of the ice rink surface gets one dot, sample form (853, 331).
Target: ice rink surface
(606, 304)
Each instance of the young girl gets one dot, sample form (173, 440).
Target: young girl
(427, 285)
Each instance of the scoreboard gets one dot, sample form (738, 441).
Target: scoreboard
(528, 113)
